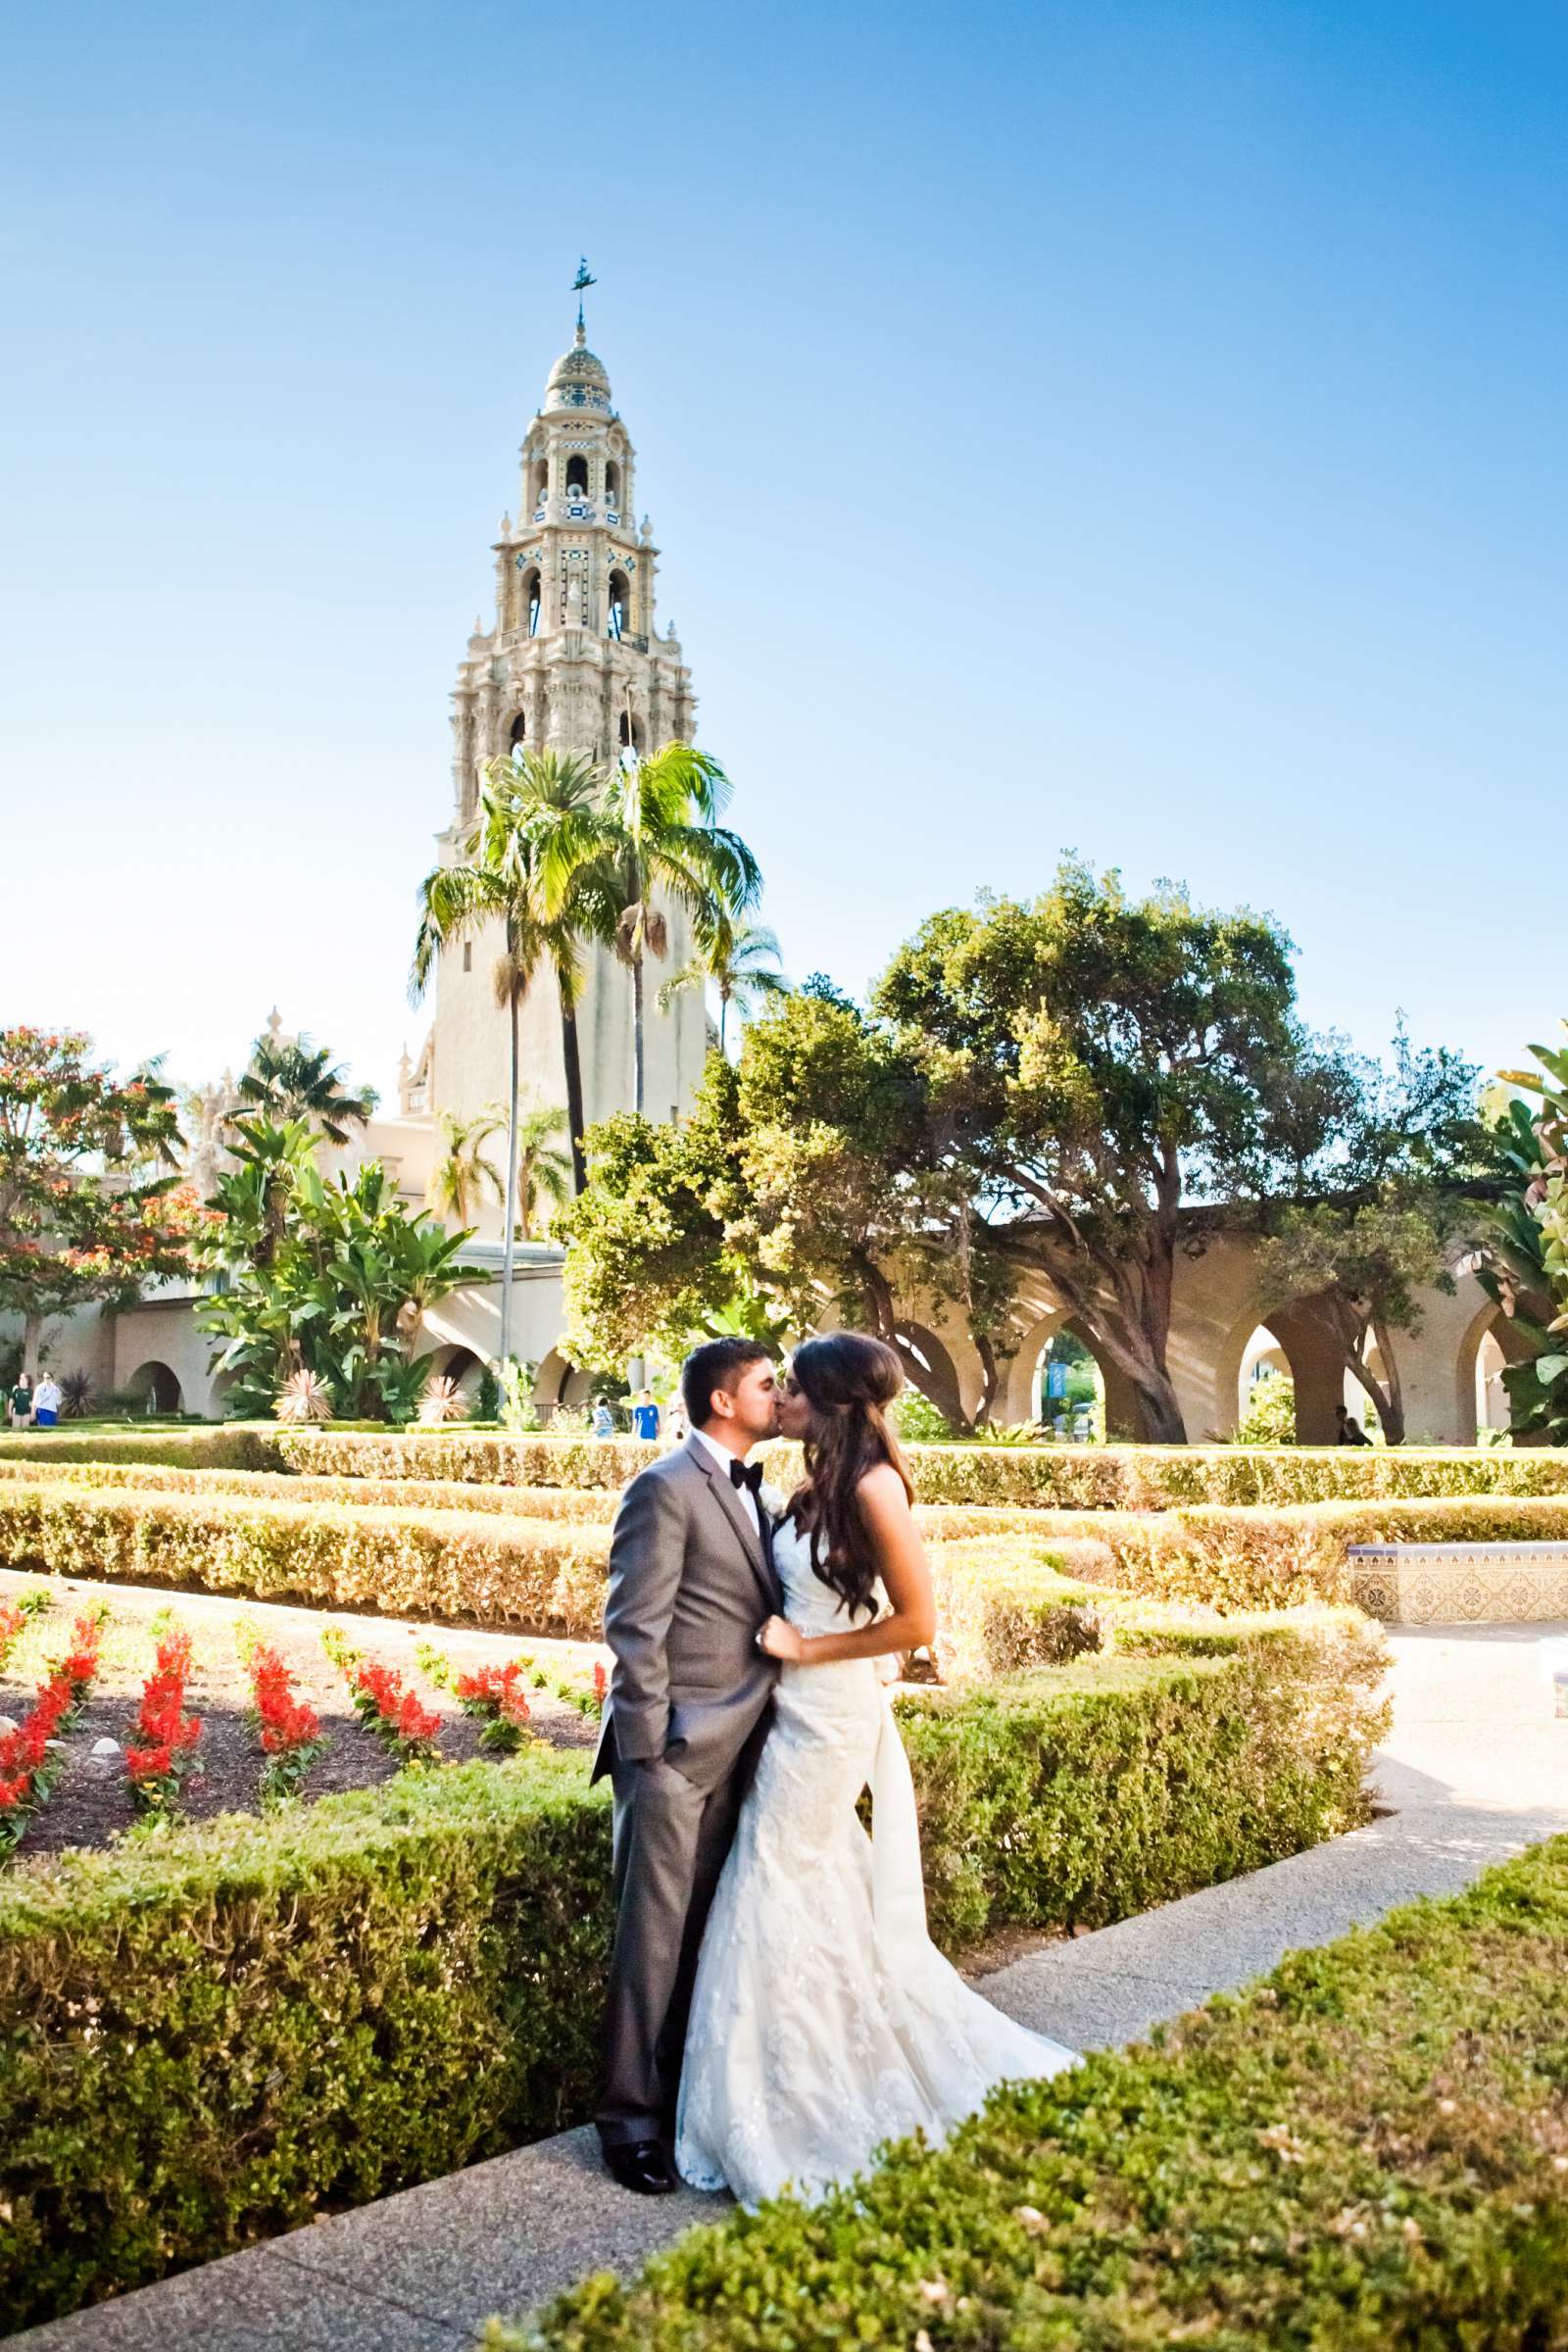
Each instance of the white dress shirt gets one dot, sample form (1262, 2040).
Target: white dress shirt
(743, 1495)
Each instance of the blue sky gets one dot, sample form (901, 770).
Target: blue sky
(1127, 427)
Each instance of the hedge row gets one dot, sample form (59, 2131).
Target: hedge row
(228, 1446)
(1135, 1477)
(583, 1505)
(1363, 2153)
(1265, 1559)
(539, 1576)
(216, 2034)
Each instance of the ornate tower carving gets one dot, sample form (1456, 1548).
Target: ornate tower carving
(573, 662)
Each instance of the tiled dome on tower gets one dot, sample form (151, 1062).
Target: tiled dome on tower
(578, 380)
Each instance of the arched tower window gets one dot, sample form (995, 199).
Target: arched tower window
(520, 731)
(611, 484)
(577, 476)
(541, 481)
(532, 599)
(619, 605)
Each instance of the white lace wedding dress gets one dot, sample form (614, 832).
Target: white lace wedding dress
(823, 2020)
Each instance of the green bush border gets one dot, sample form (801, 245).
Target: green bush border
(211, 2037)
(1136, 1477)
(1364, 2153)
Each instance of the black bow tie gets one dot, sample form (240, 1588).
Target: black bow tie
(746, 1474)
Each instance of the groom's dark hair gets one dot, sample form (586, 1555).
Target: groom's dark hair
(716, 1364)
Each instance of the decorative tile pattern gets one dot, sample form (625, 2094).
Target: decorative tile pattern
(1460, 1583)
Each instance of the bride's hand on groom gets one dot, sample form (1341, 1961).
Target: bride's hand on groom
(778, 1639)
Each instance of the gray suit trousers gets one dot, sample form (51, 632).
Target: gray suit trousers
(670, 1840)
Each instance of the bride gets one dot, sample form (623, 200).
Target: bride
(823, 2019)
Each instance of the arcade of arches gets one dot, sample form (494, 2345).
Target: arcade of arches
(1449, 1367)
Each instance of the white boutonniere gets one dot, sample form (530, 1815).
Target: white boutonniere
(773, 1499)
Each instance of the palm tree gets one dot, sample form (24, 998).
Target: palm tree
(655, 835)
(543, 1173)
(741, 959)
(463, 1175)
(290, 1079)
(562, 794)
(496, 880)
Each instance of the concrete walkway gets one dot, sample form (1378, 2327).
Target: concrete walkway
(1476, 1768)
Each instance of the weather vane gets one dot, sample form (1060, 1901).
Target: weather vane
(584, 277)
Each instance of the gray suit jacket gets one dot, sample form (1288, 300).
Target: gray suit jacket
(689, 1585)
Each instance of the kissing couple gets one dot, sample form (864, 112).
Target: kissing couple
(776, 2008)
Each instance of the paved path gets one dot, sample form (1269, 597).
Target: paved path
(1476, 1767)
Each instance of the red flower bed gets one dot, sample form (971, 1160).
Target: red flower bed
(492, 1694)
(168, 1735)
(29, 1766)
(383, 1703)
(290, 1732)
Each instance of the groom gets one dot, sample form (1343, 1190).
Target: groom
(691, 1584)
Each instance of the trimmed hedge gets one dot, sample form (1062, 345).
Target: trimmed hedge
(1136, 1477)
(211, 2037)
(542, 1577)
(584, 1505)
(1239, 1559)
(497, 1566)
(1363, 2154)
(229, 1445)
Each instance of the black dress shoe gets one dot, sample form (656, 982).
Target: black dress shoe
(642, 2166)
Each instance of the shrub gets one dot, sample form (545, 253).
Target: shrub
(214, 2037)
(1361, 2152)
(586, 1505)
(1237, 1558)
(237, 1445)
(461, 1566)
(1270, 1415)
(1137, 1478)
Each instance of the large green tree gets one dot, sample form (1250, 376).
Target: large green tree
(91, 1203)
(1108, 1062)
(1390, 1206)
(811, 1183)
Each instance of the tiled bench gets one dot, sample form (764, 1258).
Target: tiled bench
(1460, 1583)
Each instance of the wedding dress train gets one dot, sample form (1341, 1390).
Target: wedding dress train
(823, 2019)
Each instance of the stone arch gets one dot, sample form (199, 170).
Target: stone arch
(632, 733)
(1488, 1344)
(558, 1383)
(221, 1389)
(539, 474)
(155, 1387)
(455, 1363)
(612, 482)
(1020, 1396)
(576, 475)
(618, 603)
(1312, 1358)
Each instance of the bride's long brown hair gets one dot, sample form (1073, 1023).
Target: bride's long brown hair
(849, 1380)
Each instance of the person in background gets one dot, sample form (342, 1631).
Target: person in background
(19, 1401)
(677, 1429)
(1348, 1430)
(604, 1421)
(46, 1402)
(645, 1415)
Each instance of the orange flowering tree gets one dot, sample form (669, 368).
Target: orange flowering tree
(91, 1205)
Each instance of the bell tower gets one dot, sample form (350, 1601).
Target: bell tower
(573, 662)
